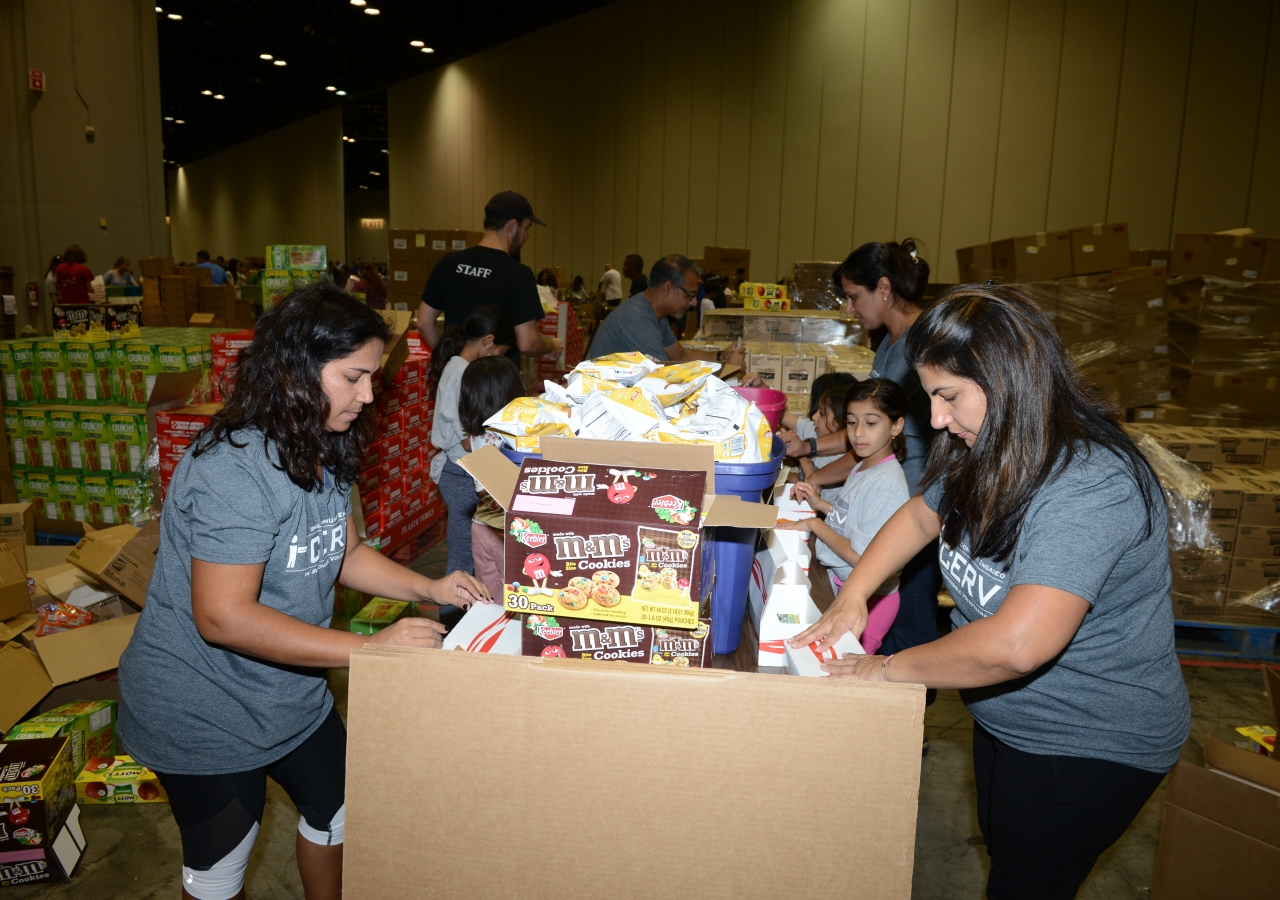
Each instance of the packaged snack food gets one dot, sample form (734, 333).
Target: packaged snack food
(525, 420)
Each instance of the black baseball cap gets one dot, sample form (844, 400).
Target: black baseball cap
(510, 205)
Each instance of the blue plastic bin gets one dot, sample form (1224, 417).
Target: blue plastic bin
(727, 553)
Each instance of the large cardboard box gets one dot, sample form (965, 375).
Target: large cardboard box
(14, 596)
(1190, 254)
(121, 556)
(1036, 257)
(1235, 257)
(1100, 248)
(616, 774)
(90, 726)
(975, 264)
(42, 838)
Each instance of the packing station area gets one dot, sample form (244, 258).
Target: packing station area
(814, 448)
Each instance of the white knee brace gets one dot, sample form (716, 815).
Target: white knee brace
(226, 877)
(329, 838)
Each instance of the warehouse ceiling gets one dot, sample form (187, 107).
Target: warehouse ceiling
(273, 63)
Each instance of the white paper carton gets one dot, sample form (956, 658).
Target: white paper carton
(788, 611)
(808, 661)
(486, 628)
(789, 507)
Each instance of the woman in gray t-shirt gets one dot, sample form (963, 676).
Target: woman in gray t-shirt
(224, 682)
(1051, 531)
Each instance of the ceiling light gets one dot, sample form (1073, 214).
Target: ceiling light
(158, 9)
(341, 93)
(265, 56)
(357, 2)
(180, 121)
(428, 49)
(364, 187)
(416, 44)
(331, 88)
(375, 174)
(168, 118)
(219, 97)
(175, 17)
(281, 62)
(384, 149)
(370, 11)
(207, 93)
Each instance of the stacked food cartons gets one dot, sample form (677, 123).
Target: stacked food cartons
(562, 324)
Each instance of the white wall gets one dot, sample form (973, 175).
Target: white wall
(802, 128)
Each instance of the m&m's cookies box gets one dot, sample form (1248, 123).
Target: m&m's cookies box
(40, 834)
(118, 779)
(548, 637)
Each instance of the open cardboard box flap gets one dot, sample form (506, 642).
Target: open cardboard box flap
(499, 475)
(634, 773)
(81, 652)
(25, 684)
(1262, 770)
(121, 557)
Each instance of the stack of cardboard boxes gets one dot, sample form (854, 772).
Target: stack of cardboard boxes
(725, 262)
(563, 325)
(1233, 256)
(411, 254)
(1243, 470)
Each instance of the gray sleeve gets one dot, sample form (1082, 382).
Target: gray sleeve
(804, 428)
(230, 516)
(446, 429)
(668, 337)
(873, 508)
(933, 493)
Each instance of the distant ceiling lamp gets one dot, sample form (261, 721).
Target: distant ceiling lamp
(384, 149)
(175, 17)
(416, 44)
(370, 11)
(168, 118)
(219, 97)
(180, 121)
(281, 62)
(357, 2)
(331, 88)
(207, 93)
(158, 9)
(265, 56)
(375, 174)
(428, 49)
(341, 93)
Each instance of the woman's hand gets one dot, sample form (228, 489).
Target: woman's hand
(855, 665)
(797, 447)
(751, 379)
(458, 589)
(804, 492)
(411, 632)
(847, 614)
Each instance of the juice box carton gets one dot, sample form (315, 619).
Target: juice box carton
(13, 430)
(378, 614)
(95, 440)
(111, 779)
(71, 498)
(37, 435)
(68, 453)
(51, 369)
(26, 380)
(41, 838)
(128, 439)
(89, 724)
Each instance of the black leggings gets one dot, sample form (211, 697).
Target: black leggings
(1047, 819)
(215, 812)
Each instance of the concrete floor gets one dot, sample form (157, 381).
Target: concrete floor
(135, 852)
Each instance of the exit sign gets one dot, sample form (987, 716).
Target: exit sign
(35, 78)
(373, 223)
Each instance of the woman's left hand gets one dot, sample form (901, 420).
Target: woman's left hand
(855, 665)
(458, 589)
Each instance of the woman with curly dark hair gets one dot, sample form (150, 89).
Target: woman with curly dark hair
(225, 680)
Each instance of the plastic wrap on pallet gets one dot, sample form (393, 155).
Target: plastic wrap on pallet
(812, 288)
(1266, 599)
(1187, 494)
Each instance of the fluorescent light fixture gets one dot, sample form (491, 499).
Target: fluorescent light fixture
(207, 93)
(281, 62)
(428, 49)
(219, 97)
(265, 56)
(416, 44)
(341, 93)
(175, 17)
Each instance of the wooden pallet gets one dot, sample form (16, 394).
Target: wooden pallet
(1227, 640)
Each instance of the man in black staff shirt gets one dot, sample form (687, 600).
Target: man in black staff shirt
(488, 275)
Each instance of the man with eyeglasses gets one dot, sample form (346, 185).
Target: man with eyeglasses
(640, 322)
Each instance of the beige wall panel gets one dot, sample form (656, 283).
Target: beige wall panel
(735, 124)
(677, 131)
(842, 52)
(1153, 82)
(464, 130)
(542, 251)
(1084, 133)
(1032, 54)
(1220, 127)
(627, 153)
(1264, 191)
(580, 140)
(976, 84)
(884, 70)
(925, 120)
(506, 97)
(705, 134)
(561, 121)
(653, 84)
(768, 111)
(604, 81)
(803, 129)
(525, 88)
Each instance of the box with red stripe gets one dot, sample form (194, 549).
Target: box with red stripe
(486, 628)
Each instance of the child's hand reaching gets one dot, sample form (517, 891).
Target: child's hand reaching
(806, 493)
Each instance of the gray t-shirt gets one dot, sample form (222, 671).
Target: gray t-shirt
(868, 499)
(1116, 692)
(891, 363)
(633, 326)
(191, 707)
(446, 429)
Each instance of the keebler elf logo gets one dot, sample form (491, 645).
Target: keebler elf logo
(528, 532)
(674, 509)
(545, 627)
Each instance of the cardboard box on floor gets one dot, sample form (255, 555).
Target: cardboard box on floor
(621, 780)
(121, 557)
(1221, 831)
(18, 529)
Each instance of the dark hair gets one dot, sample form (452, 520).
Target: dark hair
(1040, 414)
(488, 384)
(370, 275)
(578, 283)
(495, 223)
(53, 264)
(233, 265)
(547, 278)
(907, 272)
(122, 261)
(74, 254)
(202, 255)
(639, 260)
(485, 320)
(671, 270)
(829, 381)
(888, 397)
(277, 387)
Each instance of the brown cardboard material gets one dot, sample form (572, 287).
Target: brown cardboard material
(25, 683)
(15, 598)
(1249, 575)
(1150, 258)
(121, 557)
(975, 264)
(1100, 247)
(82, 652)
(1235, 257)
(44, 557)
(1035, 257)
(1257, 542)
(1190, 254)
(616, 778)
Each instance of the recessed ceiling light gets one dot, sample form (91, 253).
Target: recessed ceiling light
(219, 97)
(175, 17)
(384, 149)
(158, 9)
(180, 121)
(364, 187)
(357, 2)
(265, 56)
(428, 49)
(375, 174)
(416, 44)
(168, 118)
(281, 62)
(370, 11)
(341, 93)
(207, 93)
(331, 88)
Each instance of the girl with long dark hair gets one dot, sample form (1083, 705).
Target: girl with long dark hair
(1051, 531)
(225, 680)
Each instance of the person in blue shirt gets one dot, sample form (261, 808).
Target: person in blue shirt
(203, 262)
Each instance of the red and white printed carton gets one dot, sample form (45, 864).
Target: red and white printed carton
(808, 661)
(780, 609)
(486, 628)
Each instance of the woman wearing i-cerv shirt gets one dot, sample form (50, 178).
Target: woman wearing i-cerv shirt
(1051, 531)
(224, 682)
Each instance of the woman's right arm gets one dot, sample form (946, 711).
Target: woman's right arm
(912, 528)
(224, 602)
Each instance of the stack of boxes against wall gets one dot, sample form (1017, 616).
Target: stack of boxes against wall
(171, 294)
(411, 254)
(1242, 468)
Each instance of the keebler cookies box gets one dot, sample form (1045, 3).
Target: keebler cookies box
(613, 543)
(584, 639)
(40, 834)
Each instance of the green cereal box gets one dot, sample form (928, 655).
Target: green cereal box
(71, 500)
(9, 371)
(24, 361)
(173, 358)
(44, 496)
(90, 724)
(103, 378)
(37, 436)
(67, 449)
(82, 373)
(99, 499)
(276, 285)
(120, 370)
(51, 370)
(128, 437)
(126, 496)
(14, 431)
(143, 364)
(312, 257)
(95, 441)
(21, 487)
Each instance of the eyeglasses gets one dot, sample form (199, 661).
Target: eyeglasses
(692, 295)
